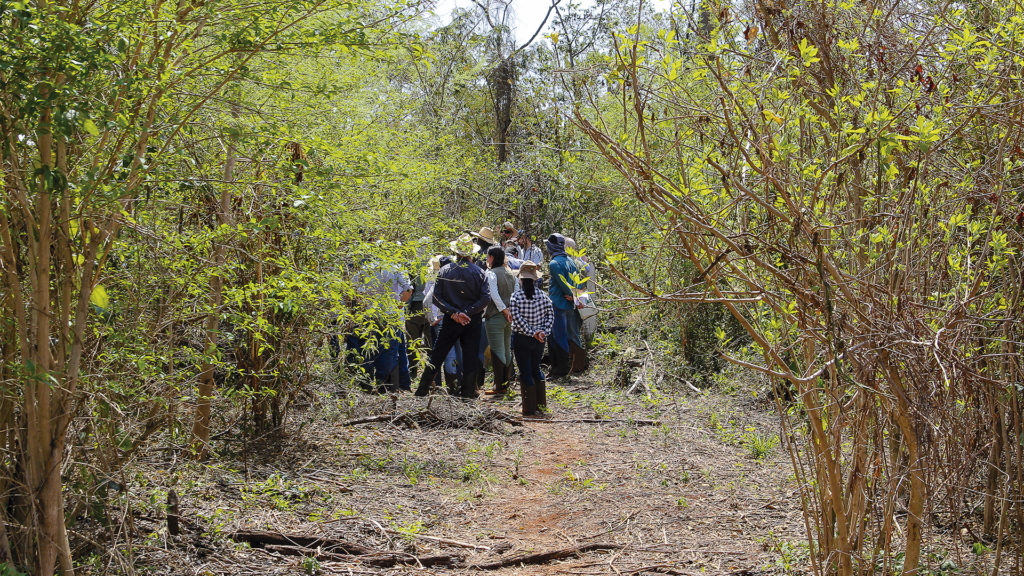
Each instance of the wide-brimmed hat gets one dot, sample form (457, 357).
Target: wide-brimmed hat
(464, 245)
(529, 270)
(485, 234)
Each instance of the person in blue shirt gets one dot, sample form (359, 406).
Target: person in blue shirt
(562, 270)
(461, 294)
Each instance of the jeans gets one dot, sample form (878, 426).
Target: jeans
(499, 336)
(451, 333)
(560, 331)
(393, 355)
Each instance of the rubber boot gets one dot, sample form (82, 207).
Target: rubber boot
(426, 381)
(510, 376)
(578, 361)
(451, 382)
(529, 401)
(500, 377)
(559, 361)
(469, 380)
(541, 397)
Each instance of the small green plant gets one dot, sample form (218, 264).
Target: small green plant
(412, 470)
(8, 570)
(517, 461)
(408, 530)
(576, 481)
(682, 503)
(792, 556)
(471, 472)
(310, 565)
(758, 445)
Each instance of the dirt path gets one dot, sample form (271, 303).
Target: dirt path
(685, 496)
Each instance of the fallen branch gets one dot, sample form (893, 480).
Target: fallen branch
(592, 421)
(261, 539)
(544, 557)
(439, 540)
(380, 559)
(367, 420)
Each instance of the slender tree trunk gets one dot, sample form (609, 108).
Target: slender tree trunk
(201, 424)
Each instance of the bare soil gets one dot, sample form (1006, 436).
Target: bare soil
(689, 493)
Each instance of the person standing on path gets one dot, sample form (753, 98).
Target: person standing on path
(532, 320)
(452, 367)
(563, 270)
(501, 283)
(461, 294)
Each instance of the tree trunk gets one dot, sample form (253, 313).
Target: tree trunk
(201, 424)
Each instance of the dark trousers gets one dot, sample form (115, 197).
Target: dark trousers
(469, 337)
(528, 352)
(418, 329)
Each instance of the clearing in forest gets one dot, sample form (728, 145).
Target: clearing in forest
(611, 483)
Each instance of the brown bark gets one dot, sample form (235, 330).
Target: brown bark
(201, 423)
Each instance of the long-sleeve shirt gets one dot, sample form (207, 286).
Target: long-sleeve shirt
(533, 254)
(461, 287)
(433, 312)
(531, 315)
(562, 269)
(492, 285)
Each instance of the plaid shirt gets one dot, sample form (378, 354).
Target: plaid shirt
(531, 316)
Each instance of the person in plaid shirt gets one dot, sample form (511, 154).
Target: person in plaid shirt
(532, 320)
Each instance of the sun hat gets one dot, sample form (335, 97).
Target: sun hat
(485, 234)
(529, 270)
(464, 245)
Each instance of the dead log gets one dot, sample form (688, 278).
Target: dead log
(545, 557)
(593, 421)
(368, 419)
(337, 550)
(380, 559)
(262, 539)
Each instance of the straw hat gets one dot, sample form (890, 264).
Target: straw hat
(464, 245)
(529, 270)
(486, 234)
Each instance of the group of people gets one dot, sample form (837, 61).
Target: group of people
(485, 299)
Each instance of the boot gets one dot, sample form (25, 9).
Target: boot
(578, 359)
(425, 381)
(559, 361)
(500, 377)
(469, 381)
(510, 375)
(540, 398)
(451, 383)
(529, 400)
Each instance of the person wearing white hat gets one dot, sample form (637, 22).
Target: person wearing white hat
(461, 294)
(533, 318)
